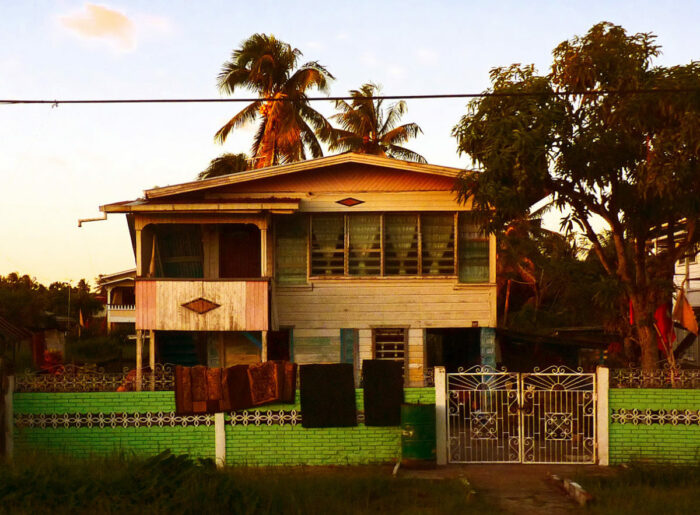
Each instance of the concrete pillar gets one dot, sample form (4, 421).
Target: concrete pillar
(441, 415)
(139, 359)
(488, 346)
(220, 439)
(602, 415)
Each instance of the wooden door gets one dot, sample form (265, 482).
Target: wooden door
(239, 251)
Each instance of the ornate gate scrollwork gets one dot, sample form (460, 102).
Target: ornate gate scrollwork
(496, 416)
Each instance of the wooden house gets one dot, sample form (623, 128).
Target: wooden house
(120, 302)
(336, 259)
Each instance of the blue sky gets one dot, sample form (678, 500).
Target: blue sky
(60, 164)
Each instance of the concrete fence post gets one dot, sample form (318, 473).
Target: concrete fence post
(9, 418)
(220, 439)
(602, 415)
(441, 415)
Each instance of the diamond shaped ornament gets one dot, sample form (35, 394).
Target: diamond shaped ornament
(350, 202)
(200, 305)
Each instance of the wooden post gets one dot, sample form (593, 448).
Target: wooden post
(441, 415)
(263, 351)
(9, 418)
(152, 357)
(602, 415)
(220, 440)
(263, 252)
(139, 359)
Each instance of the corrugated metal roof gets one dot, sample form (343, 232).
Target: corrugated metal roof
(11, 331)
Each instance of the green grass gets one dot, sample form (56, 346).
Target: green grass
(646, 489)
(177, 484)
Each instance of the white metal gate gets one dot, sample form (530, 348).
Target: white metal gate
(496, 416)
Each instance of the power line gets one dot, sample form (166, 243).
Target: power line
(592, 92)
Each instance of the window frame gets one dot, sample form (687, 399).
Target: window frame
(405, 359)
(382, 249)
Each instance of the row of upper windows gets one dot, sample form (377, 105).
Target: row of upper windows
(380, 244)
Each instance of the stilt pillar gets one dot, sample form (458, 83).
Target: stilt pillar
(139, 359)
(152, 358)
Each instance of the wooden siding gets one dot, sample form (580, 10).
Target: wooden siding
(364, 303)
(243, 305)
(347, 178)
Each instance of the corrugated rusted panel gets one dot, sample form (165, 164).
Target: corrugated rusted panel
(347, 178)
(145, 292)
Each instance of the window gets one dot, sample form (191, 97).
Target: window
(327, 245)
(400, 244)
(290, 251)
(391, 344)
(386, 245)
(179, 251)
(437, 246)
(364, 244)
(473, 251)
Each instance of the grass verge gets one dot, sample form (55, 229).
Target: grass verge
(177, 484)
(644, 489)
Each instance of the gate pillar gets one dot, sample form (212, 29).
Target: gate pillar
(603, 415)
(440, 415)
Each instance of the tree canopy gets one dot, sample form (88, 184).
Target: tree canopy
(628, 160)
(225, 164)
(287, 130)
(369, 127)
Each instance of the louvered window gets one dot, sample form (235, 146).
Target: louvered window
(290, 251)
(364, 244)
(473, 251)
(437, 234)
(327, 245)
(400, 244)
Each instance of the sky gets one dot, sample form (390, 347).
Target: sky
(59, 164)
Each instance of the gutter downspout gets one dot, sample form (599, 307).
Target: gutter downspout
(99, 219)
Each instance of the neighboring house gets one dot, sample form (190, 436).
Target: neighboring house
(336, 259)
(120, 308)
(688, 272)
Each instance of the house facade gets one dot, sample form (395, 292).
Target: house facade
(120, 306)
(687, 275)
(336, 259)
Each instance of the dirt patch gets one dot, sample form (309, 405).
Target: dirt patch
(520, 489)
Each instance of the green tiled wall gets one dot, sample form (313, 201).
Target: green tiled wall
(250, 445)
(655, 442)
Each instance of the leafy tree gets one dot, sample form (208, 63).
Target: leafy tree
(367, 127)
(267, 66)
(225, 164)
(630, 160)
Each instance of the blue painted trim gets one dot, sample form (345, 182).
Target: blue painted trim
(253, 339)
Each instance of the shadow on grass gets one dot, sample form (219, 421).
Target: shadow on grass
(644, 489)
(178, 484)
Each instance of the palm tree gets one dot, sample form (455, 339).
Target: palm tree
(267, 66)
(225, 164)
(368, 128)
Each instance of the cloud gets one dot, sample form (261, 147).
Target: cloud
(98, 22)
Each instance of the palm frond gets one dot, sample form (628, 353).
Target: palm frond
(401, 134)
(245, 115)
(393, 115)
(404, 154)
